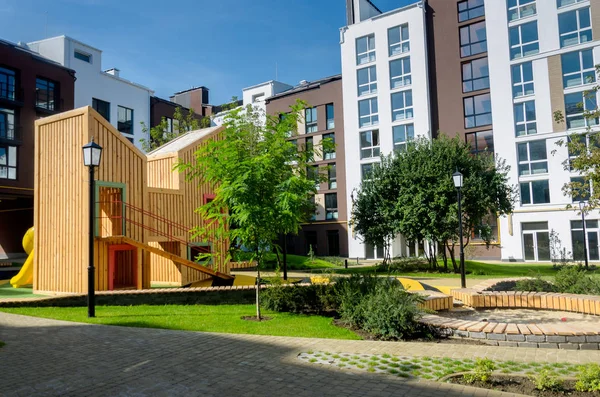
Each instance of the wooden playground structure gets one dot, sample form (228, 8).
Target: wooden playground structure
(144, 210)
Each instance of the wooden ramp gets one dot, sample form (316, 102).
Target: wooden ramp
(167, 255)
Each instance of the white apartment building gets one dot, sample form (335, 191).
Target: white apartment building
(123, 103)
(385, 95)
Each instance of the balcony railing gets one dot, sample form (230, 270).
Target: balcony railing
(9, 92)
(10, 133)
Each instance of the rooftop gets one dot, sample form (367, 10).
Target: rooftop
(183, 141)
(34, 54)
(304, 87)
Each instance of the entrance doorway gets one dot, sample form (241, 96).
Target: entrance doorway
(536, 241)
(122, 267)
(333, 243)
(372, 252)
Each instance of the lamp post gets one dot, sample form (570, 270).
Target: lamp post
(458, 184)
(585, 250)
(92, 152)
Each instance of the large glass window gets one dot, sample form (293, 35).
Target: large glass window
(102, 107)
(398, 40)
(478, 111)
(470, 9)
(518, 9)
(369, 144)
(533, 158)
(365, 49)
(535, 192)
(365, 171)
(7, 124)
(536, 241)
(578, 68)
(332, 176)
(563, 3)
(310, 118)
(402, 105)
(475, 75)
(402, 135)
(82, 57)
(522, 78)
(330, 114)
(331, 206)
(400, 75)
(7, 84)
(576, 106)
(525, 120)
(368, 112)
(580, 189)
(312, 172)
(125, 120)
(481, 142)
(367, 81)
(329, 152)
(45, 94)
(8, 162)
(524, 40)
(575, 27)
(592, 231)
(473, 39)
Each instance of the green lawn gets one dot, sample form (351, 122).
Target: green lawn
(474, 268)
(7, 291)
(297, 262)
(218, 318)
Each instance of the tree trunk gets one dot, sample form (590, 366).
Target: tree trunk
(445, 258)
(285, 256)
(258, 292)
(452, 257)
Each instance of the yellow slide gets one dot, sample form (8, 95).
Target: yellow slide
(25, 276)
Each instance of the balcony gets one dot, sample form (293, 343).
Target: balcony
(10, 94)
(10, 134)
(46, 104)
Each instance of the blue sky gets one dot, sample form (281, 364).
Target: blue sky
(225, 45)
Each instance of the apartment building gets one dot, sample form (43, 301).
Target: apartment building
(495, 73)
(123, 103)
(327, 233)
(31, 87)
(385, 95)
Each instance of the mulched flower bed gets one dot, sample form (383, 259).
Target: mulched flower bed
(522, 385)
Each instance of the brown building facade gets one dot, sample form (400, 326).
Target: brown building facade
(160, 108)
(327, 234)
(31, 87)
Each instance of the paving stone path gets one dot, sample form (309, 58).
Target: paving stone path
(54, 358)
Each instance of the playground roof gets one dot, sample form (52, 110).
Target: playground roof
(183, 141)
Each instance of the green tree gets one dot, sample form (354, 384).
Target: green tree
(163, 132)
(261, 185)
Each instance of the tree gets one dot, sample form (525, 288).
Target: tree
(416, 197)
(262, 188)
(165, 132)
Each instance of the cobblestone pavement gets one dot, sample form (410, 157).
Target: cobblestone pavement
(54, 358)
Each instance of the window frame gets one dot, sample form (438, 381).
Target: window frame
(370, 53)
(372, 151)
(332, 176)
(582, 71)
(522, 44)
(530, 124)
(51, 99)
(403, 44)
(371, 84)
(365, 171)
(404, 76)
(83, 56)
(96, 102)
(472, 80)
(475, 114)
(311, 123)
(519, 7)
(407, 110)
(579, 29)
(522, 85)
(587, 189)
(331, 212)
(329, 154)
(474, 143)
(570, 2)
(329, 116)
(131, 122)
(583, 106)
(7, 150)
(529, 162)
(531, 191)
(468, 10)
(471, 43)
(372, 116)
(10, 76)
(9, 131)
(409, 134)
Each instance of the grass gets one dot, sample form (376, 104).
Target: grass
(218, 318)
(7, 291)
(298, 262)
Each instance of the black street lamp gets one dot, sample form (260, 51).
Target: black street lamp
(92, 152)
(458, 184)
(585, 250)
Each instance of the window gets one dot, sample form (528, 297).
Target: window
(478, 111)
(592, 231)
(403, 134)
(102, 107)
(400, 73)
(368, 112)
(198, 252)
(258, 97)
(365, 171)
(331, 206)
(330, 114)
(82, 56)
(365, 49)
(533, 158)
(481, 142)
(522, 78)
(169, 122)
(525, 123)
(524, 40)
(45, 94)
(8, 162)
(329, 151)
(580, 189)
(518, 9)
(576, 105)
(125, 120)
(332, 176)
(7, 84)
(563, 3)
(7, 124)
(470, 9)
(582, 142)
(578, 68)
(310, 117)
(398, 40)
(367, 81)
(536, 241)
(369, 144)
(402, 105)
(575, 27)
(535, 192)
(475, 75)
(473, 39)
(310, 148)
(312, 172)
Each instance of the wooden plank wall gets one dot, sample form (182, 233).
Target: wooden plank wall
(162, 269)
(61, 199)
(162, 175)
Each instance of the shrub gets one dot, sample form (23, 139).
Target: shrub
(546, 380)
(349, 292)
(535, 284)
(407, 265)
(575, 280)
(588, 379)
(298, 298)
(482, 371)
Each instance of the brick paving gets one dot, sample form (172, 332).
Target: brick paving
(45, 357)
